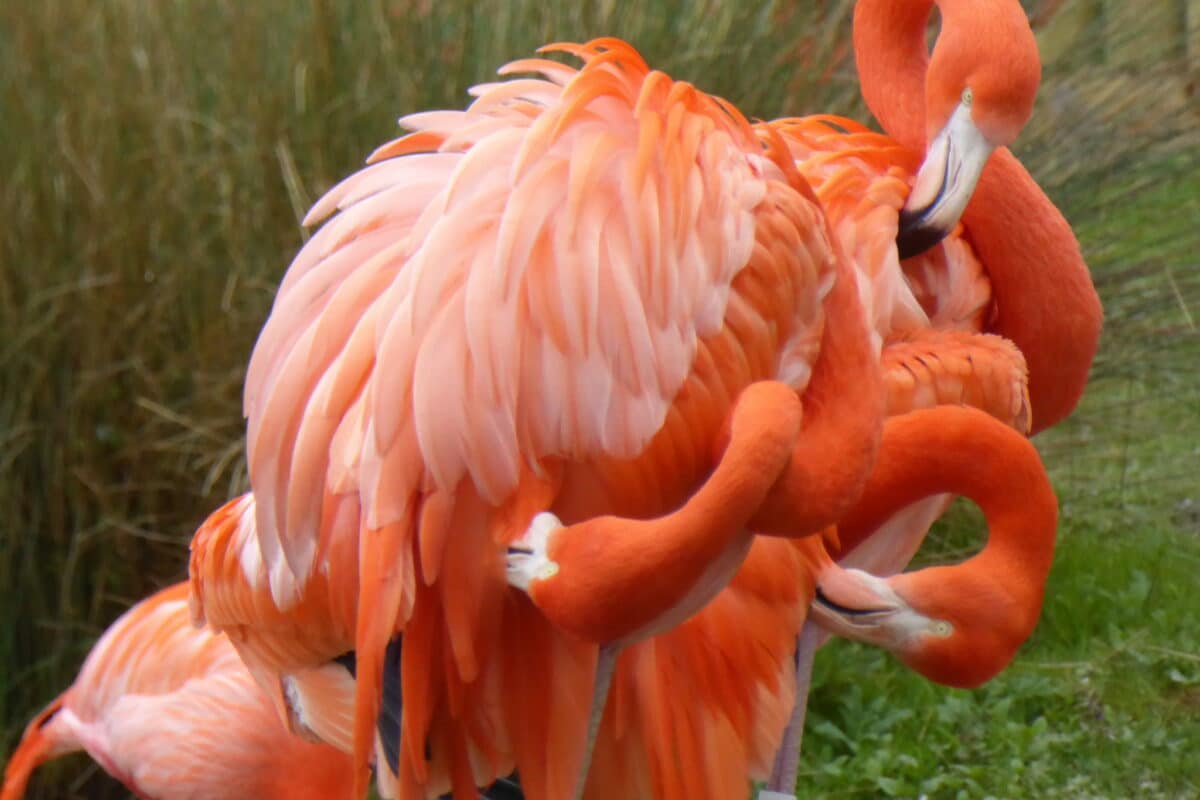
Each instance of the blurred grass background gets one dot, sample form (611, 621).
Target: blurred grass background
(156, 157)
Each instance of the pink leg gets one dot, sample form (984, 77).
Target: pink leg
(782, 785)
(606, 664)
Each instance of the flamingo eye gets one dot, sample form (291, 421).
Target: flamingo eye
(968, 97)
(941, 628)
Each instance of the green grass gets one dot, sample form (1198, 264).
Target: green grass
(155, 158)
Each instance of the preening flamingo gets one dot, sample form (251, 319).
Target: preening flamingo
(171, 712)
(957, 625)
(568, 298)
(970, 98)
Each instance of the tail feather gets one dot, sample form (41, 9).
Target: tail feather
(41, 742)
(385, 562)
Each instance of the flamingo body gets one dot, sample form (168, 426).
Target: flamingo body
(171, 712)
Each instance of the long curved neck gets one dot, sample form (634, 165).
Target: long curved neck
(994, 598)
(843, 417)
(1045, 301)
(45, 738)
(891, 57)
(964, 451)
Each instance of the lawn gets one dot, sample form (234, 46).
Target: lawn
(155, 159)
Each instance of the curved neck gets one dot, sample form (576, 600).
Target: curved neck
(616, 579)
(891, 57)
(1045, 302)
(843, 417)
(992, 599)
(961, 450)
(45, 737)
(1044, 298)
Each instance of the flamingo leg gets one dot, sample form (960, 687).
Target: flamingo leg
(782, 785)
(606, 664)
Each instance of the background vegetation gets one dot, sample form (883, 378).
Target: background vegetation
(155, 158)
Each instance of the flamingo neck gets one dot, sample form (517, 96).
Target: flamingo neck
(843, 417)
(964, 451)
(1045, 302)
(891, 57)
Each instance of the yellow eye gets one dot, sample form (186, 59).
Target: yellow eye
(942, 628)
(967, 97)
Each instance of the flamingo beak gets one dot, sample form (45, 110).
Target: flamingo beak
(854, 604)
(944, 185)
(866, 608)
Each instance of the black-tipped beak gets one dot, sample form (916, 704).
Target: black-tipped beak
(944, 184)
(917, 234)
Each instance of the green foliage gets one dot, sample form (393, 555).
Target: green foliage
(156, 157)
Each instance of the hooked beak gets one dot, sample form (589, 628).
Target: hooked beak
(856, 605)
(944, 184)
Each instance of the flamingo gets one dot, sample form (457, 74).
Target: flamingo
(171, 712)
(1014, 256)
(956, 625)
(962, 624)
(1044, 299)
(482, 336)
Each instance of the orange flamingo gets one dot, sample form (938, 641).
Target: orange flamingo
(548, 302)
(171, 712)
(1045, 302)
(1013, 267)
(957, 625)
(939, 369)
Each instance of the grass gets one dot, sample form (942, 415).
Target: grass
(156, 159)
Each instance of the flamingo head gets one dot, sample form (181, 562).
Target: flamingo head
(980, 86)
(954, 625)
